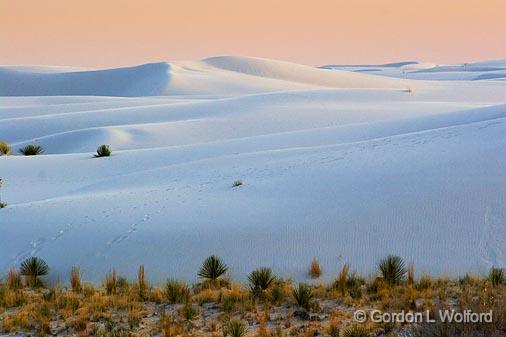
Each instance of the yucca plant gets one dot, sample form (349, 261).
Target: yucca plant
(33, 268)
(212, 268)
(103, 151)
(31, 150)
(356, 331)
(303, 295)
(392, 269)
(177, 291)
(5, 149)
(234, 328)
(260, 280)
(496, 276)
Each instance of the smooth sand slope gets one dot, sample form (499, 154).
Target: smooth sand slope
(341, 165)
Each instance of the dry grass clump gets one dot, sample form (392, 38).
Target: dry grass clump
(75, 279)
(177, 291)
(5, 149)
(111, 282)
(315, 270)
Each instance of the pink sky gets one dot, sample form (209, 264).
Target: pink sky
(105, 33)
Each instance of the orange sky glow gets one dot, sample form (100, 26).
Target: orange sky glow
(106, 33)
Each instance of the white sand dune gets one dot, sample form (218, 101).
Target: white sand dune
(336, 164)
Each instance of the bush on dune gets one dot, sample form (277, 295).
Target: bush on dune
(33, 268)
(212, 269)
(103, 151)
(393, 270)
(31, 150)
(5, 149)
(260, 280)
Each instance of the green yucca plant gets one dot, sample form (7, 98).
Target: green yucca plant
(392, 269)
(5, 149)
(234, 328)
(177, 291)
(260, 280)
(31, 150)
(496, 276)
(33, 268)
(103, 151)
(356, 331)
(303, 295)
(212, 268)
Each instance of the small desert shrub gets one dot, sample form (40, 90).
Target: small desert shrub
(424, 283)
(111, 282)
(392, 269)
(315, 270)
(75, 279)
(303, 295)
(212, 268)
(5, 149)
(496, 276)
(260, 280)
(356, 331)
(31, 150)
(340, 283)
(177, 292)
(279, 291)
(142, 283)
(3, 204)
(33, 268)
(333, 328)
(103, 151)
(13, 280)
(354, 285)
(234, 329)
(234, 299)
(189, 312)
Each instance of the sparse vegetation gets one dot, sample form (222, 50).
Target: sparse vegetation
(260, 280)
(117, 309)
(237, 183)
(234, 328)
(103, 151)
(33, 268)
(356, 331)
(315, 270)
(340, 283)
(392, 269)
(111, 282)
(142, 283)
(31, 150)
(212, 269)
(5, 149)
(75, 279)
(496, 276)
(303, 295)
(177, 291)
